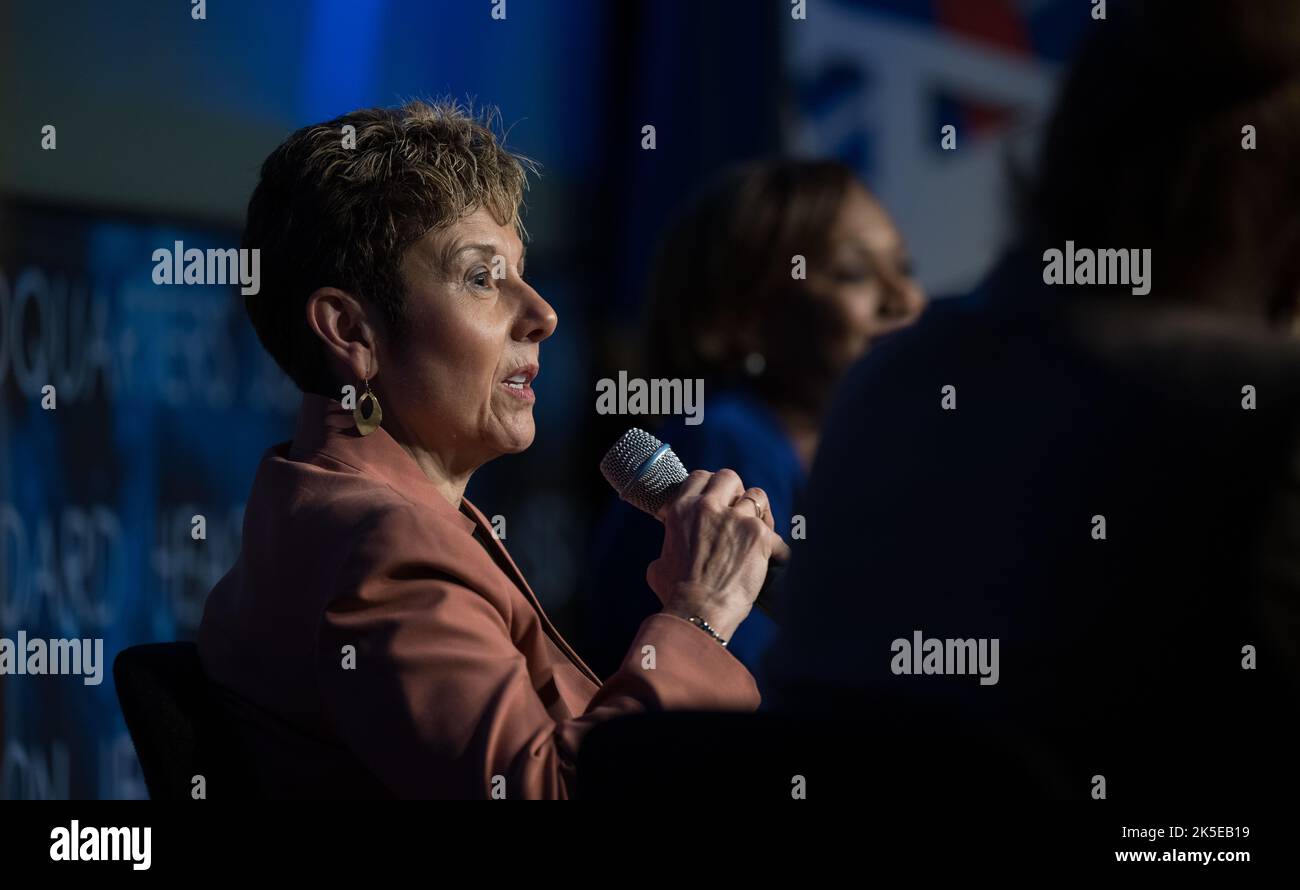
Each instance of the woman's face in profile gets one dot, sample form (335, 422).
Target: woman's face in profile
(460, 380)
(866, 282)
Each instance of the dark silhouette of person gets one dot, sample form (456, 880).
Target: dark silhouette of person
(1106, 483)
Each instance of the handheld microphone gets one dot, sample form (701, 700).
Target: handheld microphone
(647, 474)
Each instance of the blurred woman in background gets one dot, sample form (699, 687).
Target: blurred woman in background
(768, 288)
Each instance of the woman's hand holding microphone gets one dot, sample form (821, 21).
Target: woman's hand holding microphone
(718, 540)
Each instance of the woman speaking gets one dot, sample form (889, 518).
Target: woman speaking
(374, 638)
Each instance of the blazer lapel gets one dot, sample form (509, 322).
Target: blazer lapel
(522, 583)
(324, 425)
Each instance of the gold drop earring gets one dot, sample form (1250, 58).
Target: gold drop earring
(367, 425)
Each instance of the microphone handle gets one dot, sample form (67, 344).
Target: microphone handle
(768, 593)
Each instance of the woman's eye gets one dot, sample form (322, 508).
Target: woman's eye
(481, 278)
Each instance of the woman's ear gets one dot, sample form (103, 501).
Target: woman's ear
(341, 323)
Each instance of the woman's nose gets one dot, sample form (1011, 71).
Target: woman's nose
(537, 319)
(903, 300)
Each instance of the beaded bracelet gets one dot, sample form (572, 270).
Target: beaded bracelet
(704, 626)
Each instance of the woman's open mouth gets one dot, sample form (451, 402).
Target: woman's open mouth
(519, 384)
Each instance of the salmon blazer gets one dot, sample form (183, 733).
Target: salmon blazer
(365, 643)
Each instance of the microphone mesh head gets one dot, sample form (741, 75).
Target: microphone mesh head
(645, 486)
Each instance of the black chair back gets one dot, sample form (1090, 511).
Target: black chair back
(176, 728)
